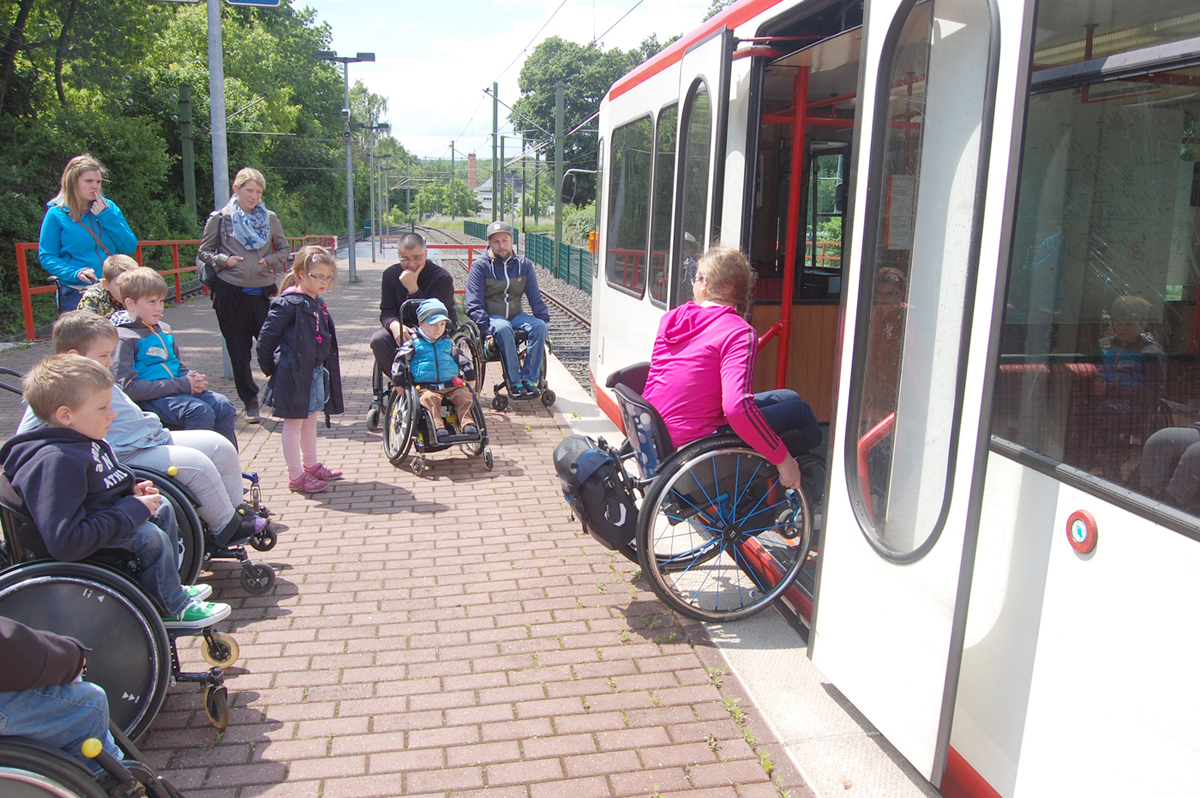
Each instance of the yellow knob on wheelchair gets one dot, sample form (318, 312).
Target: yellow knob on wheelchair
(172, 471)
(92, 747)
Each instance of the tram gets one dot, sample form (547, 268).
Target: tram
(974, 225)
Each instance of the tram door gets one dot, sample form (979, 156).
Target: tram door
(909, 446)
(704, 89)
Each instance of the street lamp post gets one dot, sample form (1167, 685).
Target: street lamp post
(371, 179)
(381, 168)
(346, 61)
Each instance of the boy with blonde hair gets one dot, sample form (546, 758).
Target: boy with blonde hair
(147, 367)
(102, 298)
(82, 500)
(204, 461)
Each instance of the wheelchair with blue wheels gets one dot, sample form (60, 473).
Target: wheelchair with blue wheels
(134, 657)
(407, 425)
(29, 769)
(718, 537)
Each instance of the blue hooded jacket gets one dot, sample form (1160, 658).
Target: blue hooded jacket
(66, 247)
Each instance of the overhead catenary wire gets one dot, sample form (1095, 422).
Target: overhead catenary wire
(531, 41)
(618, 22)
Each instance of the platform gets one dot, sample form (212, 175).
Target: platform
(457, 634)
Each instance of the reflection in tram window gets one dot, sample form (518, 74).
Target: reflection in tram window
(694, 211)
(1100, 354)
(919, 266)
(664, 193)
(629, 206)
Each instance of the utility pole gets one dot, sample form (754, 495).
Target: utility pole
(185, 141)
(559, 126)
(537, 184)
(523, 183)
(452, 181)
(495, 131)
(408, 186)
(371, 187)
(503, 195)
(216, 106)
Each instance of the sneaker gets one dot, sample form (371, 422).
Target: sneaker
(252, 414)
(517, 390)
(322, 473)
(197, 615)
(260, 523)
(307, 483)
(443, 435)
(529, 388)
(198, 592)
(469, 429)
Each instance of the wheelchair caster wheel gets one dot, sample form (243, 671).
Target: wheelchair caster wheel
(418, 466)
(258, 579)
(548, 397)
(373, 418)
(488, 460)
(222, 651)
(265, 540)
(216, 706)
(499, 402)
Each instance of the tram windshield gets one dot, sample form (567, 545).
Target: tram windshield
(1100, 356)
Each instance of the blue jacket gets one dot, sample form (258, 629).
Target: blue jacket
(433, 363)
(146, 361)
(132, 430)
(66, 248)
(495, 288)
(298, 336)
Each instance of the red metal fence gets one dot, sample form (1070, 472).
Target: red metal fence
(176, 271)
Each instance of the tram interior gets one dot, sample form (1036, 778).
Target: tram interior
(825, 48)
(1100, 357)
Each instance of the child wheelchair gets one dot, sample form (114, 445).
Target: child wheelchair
(717, 536)
(29, 769)
(134, 657)
(407, 424)
(503, 390)
(198, 544)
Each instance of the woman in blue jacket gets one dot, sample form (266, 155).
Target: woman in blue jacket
(82, 228)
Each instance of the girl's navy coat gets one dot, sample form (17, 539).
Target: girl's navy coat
(288, 351)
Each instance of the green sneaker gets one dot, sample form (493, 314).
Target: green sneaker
(197, 615)
(531, 389)
(198, 592)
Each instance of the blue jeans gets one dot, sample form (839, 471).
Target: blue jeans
(62, 716)
(68, 298)
(156, 544)
(502, 331)
(206, 410)
(791, 418)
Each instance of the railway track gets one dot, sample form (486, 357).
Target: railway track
(570, 326)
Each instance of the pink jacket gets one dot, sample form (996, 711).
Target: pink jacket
(695, 344)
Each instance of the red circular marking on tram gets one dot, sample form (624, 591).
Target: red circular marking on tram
(1081, 531)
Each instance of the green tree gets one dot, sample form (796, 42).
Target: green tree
(716, 7)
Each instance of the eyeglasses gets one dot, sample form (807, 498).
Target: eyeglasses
(321, 278)
(697, 277)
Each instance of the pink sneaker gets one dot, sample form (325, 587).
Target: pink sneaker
(307, 483)
(321, 472)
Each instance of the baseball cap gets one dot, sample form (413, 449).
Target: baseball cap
(431, 311)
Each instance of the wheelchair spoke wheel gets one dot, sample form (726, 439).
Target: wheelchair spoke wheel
(190, 527)
(398, 425)
(471, 343)
(34, 771)
(726, 538)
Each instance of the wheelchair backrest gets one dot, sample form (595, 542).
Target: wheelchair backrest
(22, 540)
(645, 430)
(633, 377)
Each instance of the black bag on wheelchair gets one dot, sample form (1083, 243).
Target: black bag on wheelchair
(595, 486)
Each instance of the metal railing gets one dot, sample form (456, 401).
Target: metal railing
(176, 271)
(479, 230)
(574, 263)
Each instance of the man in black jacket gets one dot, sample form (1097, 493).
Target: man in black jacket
(413, 277)
(41, 697)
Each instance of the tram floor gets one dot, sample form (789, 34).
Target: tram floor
(450, 633)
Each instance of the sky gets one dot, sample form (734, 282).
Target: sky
(433, 58)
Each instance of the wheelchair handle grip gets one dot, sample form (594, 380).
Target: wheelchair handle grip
(94, 749)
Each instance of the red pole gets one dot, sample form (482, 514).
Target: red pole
(26, 299)
(178, 276)
(800, 93)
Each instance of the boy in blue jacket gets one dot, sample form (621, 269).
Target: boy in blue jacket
(82, 500)
(438, 367)
(147, 367)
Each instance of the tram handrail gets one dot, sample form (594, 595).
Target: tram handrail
(28, 291)
(865, 444)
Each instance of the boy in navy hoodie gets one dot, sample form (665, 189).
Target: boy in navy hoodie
(82, 500)
(146, 362)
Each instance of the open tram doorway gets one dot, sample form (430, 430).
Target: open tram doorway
(795, 220)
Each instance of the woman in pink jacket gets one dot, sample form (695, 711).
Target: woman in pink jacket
(709, 337)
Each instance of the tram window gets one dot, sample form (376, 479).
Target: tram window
(918, 267)
(600, 186)
(664, 192)
(629, 206)
(694, 167)
(1100, 352)
(1069, 32)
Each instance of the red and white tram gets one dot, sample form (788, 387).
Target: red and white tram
(975, 228)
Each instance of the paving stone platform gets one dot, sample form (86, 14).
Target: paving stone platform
(453, 634)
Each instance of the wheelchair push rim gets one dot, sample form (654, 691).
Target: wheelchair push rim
(130, 655)
(31, 770)
(727, 539)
